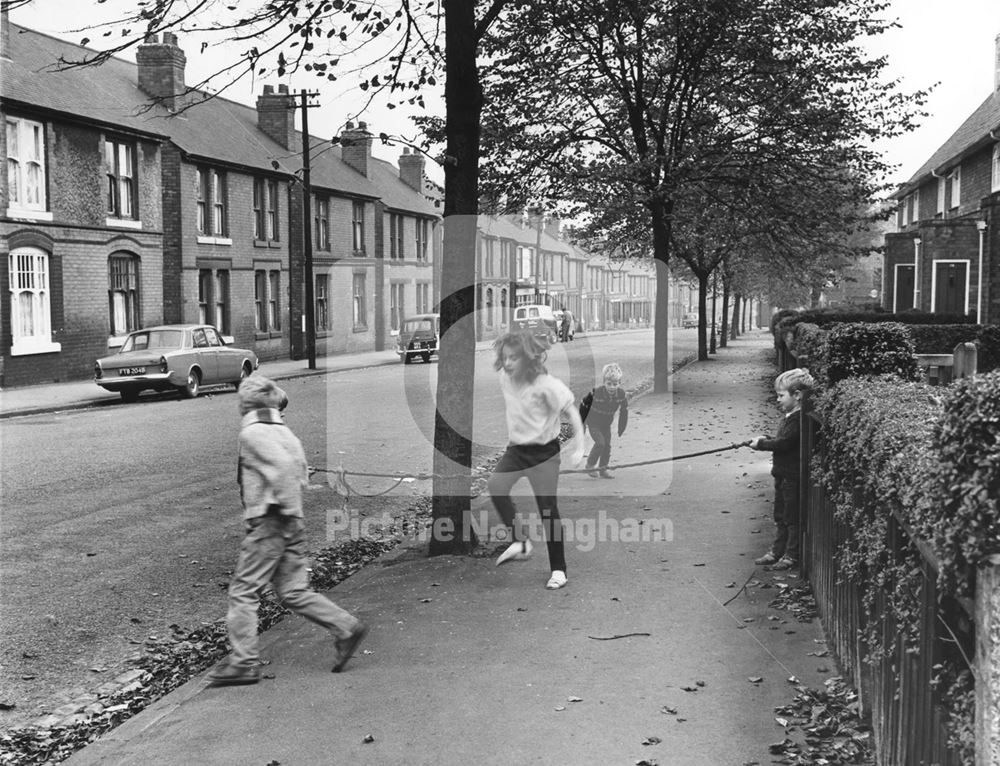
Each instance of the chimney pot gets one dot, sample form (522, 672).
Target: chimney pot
(356, 147)
(274, 117)
(160, 67)
(411, 169)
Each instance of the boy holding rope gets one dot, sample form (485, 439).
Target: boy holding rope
(791, 388)
(535, 404)
(271, 472)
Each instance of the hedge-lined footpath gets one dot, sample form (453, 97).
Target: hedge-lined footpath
(932, 454)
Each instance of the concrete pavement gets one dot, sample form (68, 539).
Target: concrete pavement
(471, 663)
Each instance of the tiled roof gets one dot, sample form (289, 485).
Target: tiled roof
(217, 129)
(395, 193)
(507, 227)
(973, 132)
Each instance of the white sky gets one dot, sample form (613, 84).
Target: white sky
(948, 42)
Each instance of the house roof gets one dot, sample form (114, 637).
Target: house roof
(507, 227)
(395, 193)
(217, 130)
(970, 136)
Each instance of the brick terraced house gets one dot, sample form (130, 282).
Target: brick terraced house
(945, 255)
(125, 206)
(130, 200)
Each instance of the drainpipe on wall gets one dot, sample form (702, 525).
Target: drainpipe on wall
(916, 273)
(981, 226)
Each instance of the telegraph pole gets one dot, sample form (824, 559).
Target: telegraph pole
(310, 298)
(538, 254)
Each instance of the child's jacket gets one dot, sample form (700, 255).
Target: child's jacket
(600, 406)
(272, 465)
(785, 446)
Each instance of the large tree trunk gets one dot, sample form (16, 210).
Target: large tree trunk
(724, 330)
(662, 352)
(703, 327)
(734, 327)
(452, 531)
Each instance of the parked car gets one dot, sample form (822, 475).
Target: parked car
(690, 320)
(419, 335)
(182, 357)
(538, 319)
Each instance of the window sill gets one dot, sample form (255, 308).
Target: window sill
(27, 349)
(266, 243)
(122, 223)
(361, 328)
(203, 240)
(28, 215)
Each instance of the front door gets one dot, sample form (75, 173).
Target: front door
(949, 287)
(904, 287)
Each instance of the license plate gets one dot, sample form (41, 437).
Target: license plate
(132, 371)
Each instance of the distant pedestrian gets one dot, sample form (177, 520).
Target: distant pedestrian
(271, 472)
(597, 411)
(566, 324)
(792, 389)
(536, 403)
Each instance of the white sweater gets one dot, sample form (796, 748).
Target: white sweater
(272, 468)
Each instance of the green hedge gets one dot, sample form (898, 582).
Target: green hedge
(867, 348)
(942, 339)
(892, 445)
(823, 317)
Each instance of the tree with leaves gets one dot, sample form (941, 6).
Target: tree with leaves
(622, 106)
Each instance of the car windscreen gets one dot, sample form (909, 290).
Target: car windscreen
(418, 325)
(154, 340)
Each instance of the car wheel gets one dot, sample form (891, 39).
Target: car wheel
(130, 395)
(190, 389)
(244, 374)
(407, 358)
(426, 358)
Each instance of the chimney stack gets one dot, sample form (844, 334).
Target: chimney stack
(4, 34)
(356, 147)
(411, 169)
(276, 115)
(161, 69)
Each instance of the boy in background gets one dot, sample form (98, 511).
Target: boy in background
(597, 411)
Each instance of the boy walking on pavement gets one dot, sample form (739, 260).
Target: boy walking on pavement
(597, 411)
(272, 471)
(791, 388)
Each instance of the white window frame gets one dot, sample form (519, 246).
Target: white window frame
(940, 195)
(28, 152)
(359, 302)
(995, 169)
(29, 270)
(955, 180)
(121, 167)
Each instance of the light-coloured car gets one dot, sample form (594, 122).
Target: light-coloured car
(536, 318)
(181, 357)
(690, 320)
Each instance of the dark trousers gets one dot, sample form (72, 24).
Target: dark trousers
(600, 453)
(786, 517)
(539, 463)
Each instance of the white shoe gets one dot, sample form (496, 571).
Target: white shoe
(557, 580)
(516, 551)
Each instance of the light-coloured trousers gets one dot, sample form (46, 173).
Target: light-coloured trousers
(274, 551)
